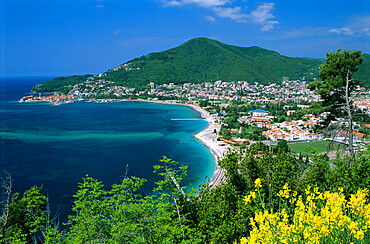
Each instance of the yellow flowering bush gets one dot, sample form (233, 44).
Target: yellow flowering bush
(316, 218)
(252, 194)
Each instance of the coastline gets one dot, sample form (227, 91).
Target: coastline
(209, 140)
(206, 136)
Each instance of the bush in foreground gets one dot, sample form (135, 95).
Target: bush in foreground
(315, 217)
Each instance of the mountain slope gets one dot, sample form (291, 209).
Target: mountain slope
(363, 73)
(203, 59)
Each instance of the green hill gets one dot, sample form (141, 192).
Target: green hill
(363, 73)
(60, 84)
(202, 59)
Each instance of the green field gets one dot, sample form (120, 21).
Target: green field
(319, 146)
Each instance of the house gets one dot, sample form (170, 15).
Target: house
(301, 106)
(296, 134)
(289, 112)
(258, 112)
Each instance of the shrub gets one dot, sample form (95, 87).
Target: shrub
(315, 217)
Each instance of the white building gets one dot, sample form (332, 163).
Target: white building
(258, 112)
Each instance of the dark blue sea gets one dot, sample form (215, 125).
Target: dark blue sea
(55, 146)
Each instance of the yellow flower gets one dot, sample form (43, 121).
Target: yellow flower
(243, 240)
(257, 183)
(352, 226)
(252, 222)
(286, 191)
(359, 235)
(247, 199)
(316, 217)
(358, 200)
(308, 190)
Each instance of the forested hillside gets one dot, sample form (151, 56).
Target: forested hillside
(60, 84)
(201, 59)
(363, 73)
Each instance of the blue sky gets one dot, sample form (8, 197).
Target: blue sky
(64, 37)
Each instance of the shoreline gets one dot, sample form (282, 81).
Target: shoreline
(209, 140)
(206, 136)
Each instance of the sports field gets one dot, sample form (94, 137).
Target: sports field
(319, 146)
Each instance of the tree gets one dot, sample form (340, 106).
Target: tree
(283, 145)
(124, 215)
(337, 85)
(23, 218)
(203, 103)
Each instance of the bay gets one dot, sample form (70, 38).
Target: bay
(55, 146)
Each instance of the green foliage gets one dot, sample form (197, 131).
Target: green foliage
(200, 60)
(252, 133)
(363, 73)
(123, 215)
(319, 173)
(26, 217)
(232, 122)
(203, 103)
(225, 133)
(172, 215)
(365, 130)
(350, 178)
(221, 214)
(60, 84)
(333, 73)
(332, 174)
(283, 145)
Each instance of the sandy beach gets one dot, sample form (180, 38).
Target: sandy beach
(209, 139)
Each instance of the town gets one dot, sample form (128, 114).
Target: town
(243, 112)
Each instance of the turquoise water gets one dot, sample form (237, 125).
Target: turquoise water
(55, 146)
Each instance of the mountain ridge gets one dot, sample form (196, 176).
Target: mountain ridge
(201, 59)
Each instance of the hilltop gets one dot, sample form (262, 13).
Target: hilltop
(201, 59)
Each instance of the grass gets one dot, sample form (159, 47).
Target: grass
(319, 146)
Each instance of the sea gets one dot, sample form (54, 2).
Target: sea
(56, 146)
